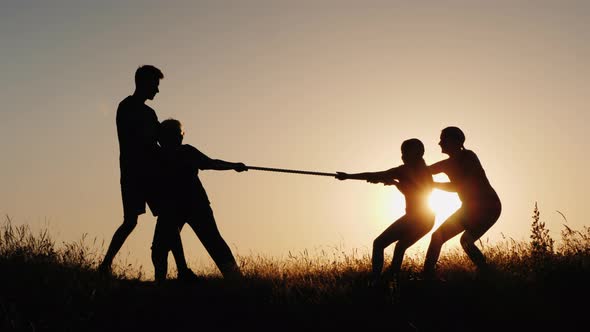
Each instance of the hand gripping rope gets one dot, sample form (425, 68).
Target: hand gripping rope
(282, 170)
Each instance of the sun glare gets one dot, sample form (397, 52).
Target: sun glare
(443, 204)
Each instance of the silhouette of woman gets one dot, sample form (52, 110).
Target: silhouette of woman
(414, 180)
(480, 207)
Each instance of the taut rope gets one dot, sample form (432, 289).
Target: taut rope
(282, 170)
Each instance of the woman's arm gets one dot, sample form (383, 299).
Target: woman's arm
(438, 167)
(446, 186)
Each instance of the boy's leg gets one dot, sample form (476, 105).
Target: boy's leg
(175, 245)
(398, 256)
(391, 234)
(204, 226)
(167, 238)
(184, 273)
(160, 247)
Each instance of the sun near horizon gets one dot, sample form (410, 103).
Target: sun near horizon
(323, 86)
(444, 204)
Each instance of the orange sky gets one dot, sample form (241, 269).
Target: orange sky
(334, 86)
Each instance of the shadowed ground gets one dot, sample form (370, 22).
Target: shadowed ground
(73, 300)
(48, 288)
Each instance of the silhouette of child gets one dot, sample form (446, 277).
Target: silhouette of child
(415, 182)
(184, 200)
(480, 207)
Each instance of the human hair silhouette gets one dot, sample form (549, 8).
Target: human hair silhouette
(415, 182)
(147, 77)
(480, 208)
(137, 133)
(184, 200)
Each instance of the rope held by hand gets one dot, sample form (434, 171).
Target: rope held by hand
(282, 170)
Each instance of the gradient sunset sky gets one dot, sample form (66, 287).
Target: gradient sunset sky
(312, 85)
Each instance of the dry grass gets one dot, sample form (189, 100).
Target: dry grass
(50, 286)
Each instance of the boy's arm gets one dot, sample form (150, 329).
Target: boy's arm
(203, 162)
(222, 165)
(387, 177)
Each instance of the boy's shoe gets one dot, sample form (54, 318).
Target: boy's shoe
(233, 276)
(188, 276)
(376, 282)
(104, 269)
(231, 272)
(394, 290)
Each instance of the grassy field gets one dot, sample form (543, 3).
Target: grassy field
(538, 285)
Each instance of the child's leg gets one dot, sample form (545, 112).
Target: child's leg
(389, 235)
(206, 230)
(398, 256)
(167, 238)
(418, 226)
(160, 250)
(175, 244)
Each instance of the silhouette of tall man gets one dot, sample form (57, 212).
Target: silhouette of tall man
(137, 131)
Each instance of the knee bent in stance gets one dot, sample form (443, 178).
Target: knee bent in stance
(466, 240)
(378, 244)
(129, 223)
(436, 239)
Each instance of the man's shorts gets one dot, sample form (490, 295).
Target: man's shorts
(136, 193)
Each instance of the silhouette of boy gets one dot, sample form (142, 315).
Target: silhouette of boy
(184, 200)
(415, 182)
(137, 132)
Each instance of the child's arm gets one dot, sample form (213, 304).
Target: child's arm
(388, 177)
(202, 161)
(222, 165)
(356, 176)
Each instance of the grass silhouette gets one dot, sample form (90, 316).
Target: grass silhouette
(49, 287)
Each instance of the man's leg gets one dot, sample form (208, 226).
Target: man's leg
(121, 234)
